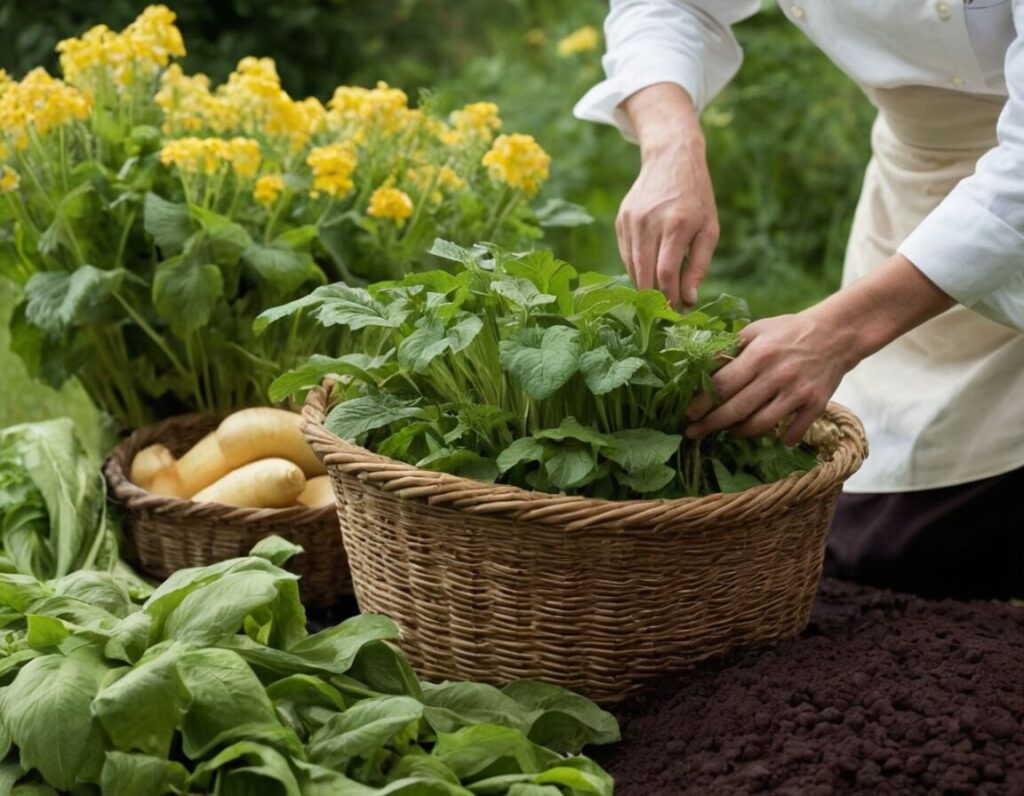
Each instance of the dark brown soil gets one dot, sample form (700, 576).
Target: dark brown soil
(883, 694)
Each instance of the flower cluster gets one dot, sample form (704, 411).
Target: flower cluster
(333, 166)
(207, 155)
(518, 161)
(39, 103)
(582, 40)
(389, 202)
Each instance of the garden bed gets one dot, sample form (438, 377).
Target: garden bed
(884, 693)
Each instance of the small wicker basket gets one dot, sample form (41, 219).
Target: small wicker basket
(494, 583)
(164, 534)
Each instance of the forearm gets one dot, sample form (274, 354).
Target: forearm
(663, 115)
(867, 315)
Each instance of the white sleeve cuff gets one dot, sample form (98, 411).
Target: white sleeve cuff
(603, 102)
(965, 249)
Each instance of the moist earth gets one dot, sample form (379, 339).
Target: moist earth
(884, 693)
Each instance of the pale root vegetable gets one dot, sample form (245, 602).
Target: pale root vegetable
(265, 484)
(202, 465)
(167, 482)
(148, 462)
(252, 434)
(317, 493)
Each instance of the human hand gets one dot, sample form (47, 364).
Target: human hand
(788, 367)
(669, 214)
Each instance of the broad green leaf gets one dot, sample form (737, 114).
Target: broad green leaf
(141, 710)
(186, 293)
(45, 631)
(604, 373)
(168, 222)
(357, 309)
(217, 610)
(565, 721)
(20, 591)
(638, 449)
(559, 213)
(569, 466)
(461, 461)
(134, 774)
(47, 711)
(549, 274)
(306, 689)
(263, 765)
(525, 449)
(730, 481)
(474, 749)
(225, 693)
(381, 666)
(275, 550)
(129, 638)
(56, 301)
(450, 251)
(274, 314)
(571, 428)
(96, 588)
(450, 706)
(648, 479)
(336, 648)
(226, 239)
(279, 270)
(363, 729)
(350, 419)
(542, 366)
(522, 292)
(432, 339)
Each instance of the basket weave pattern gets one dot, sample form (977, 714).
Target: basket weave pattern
(164, 534)
(493, 583)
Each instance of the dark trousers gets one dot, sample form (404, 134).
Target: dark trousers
(962, 542)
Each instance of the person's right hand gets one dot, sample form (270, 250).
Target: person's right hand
(669, 214)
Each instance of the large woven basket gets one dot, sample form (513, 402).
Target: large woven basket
(164, 534)
(494, 583)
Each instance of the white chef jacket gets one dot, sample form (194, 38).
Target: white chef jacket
(972, 244)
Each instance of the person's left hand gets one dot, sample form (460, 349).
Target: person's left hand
(788, 366)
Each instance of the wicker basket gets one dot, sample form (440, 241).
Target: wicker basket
(164, 534)
(494, 583)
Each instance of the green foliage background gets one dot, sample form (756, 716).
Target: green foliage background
(787, 142)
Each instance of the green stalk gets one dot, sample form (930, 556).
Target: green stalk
(156, 338)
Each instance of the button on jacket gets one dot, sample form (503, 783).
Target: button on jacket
(972, 244)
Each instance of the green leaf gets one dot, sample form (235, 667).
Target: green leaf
(336, 648)
(225, 694)
(363, 730)
(45, 631)
(226, 239)
(638, 449)
(312, 373)
(571, 428)
(217, 610)
(522, 292)
(168, 222)
(560, 213)
(450, 251)
(525, 449)
(549, 274)
(432, 339)
(275, 550)
(350, 419)
(305, 689)
(604, 373)
(570, 466)
(186, 293)
(141, 710)
(56, 301)
(450, 706)
(544, 364)
(648, 479)
(264, 765)
(732, 482)
(356, 308)
(280, 271)
(274, 314)
(133, 774)
(460, 461)
(476, 748)
(565, 721)
(47, 711)
(96, 588)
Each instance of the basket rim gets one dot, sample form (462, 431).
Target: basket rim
(572, 512)
(132, 496)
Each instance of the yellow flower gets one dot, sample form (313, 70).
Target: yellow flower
(244, 154)
(9, 179)
(268, 188)
(144, 47)
(42, 102)
(450, 180)
(478, 118)
(583, 40)
(388, 202)
(185, 100)
(383, 109)
(332, 167)
(518, 161)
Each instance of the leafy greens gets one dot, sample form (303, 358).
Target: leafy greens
(515, 368)
(213, 686)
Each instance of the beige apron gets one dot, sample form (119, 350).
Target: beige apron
(944, 404)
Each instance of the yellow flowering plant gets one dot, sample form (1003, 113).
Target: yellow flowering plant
(149, 216)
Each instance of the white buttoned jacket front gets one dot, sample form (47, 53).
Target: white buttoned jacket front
(972, 244)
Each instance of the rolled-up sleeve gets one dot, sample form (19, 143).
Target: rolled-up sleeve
(686, 42)
(972, 244)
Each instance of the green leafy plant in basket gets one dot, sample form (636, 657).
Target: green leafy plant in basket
(149, 217)
(515, 368)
